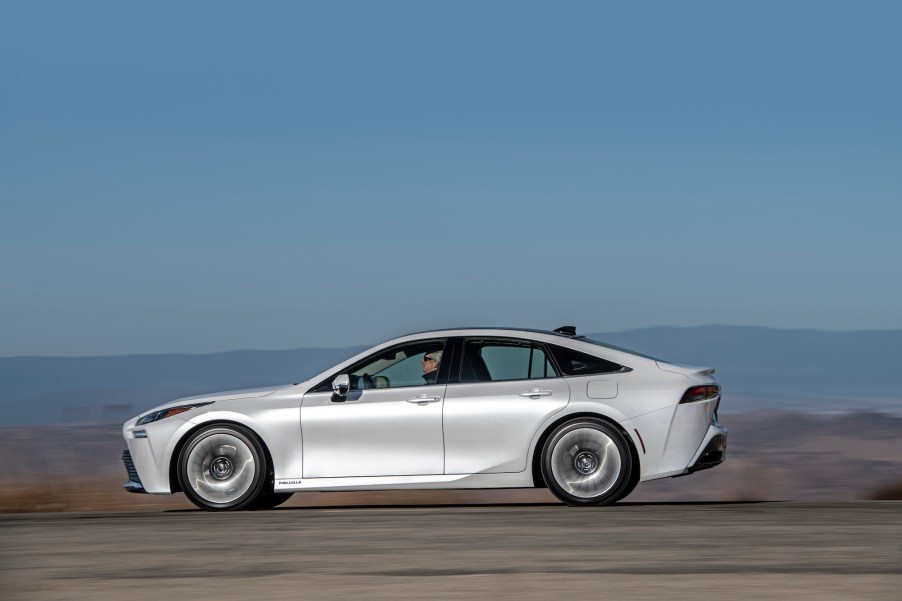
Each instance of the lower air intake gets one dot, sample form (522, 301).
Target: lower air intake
(134, 481)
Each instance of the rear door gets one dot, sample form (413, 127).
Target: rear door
(505, 389)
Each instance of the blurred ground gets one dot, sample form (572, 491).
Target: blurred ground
(771, 456)
(742, 550)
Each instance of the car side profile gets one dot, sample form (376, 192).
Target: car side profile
(446, 409)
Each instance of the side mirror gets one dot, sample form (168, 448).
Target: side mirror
(341, 385)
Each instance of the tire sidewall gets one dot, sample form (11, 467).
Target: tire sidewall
(260, 474)
(615, 492)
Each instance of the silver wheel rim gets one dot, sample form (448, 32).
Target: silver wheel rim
(585, 462)
(221, 467)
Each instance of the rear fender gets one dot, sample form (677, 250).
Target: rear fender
(575, 411)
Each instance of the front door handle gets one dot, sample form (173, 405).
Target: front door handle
(536, 392)
(424, 399)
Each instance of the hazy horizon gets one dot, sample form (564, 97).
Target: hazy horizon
(366, 344)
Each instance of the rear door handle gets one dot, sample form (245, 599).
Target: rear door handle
(424, 399)
(536, 392)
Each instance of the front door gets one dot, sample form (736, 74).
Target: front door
(390, 423)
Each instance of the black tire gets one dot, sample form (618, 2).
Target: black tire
(222, 467)
(269, 500)
(588, 461)
(630, 487)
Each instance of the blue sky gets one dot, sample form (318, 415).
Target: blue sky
(207, 176)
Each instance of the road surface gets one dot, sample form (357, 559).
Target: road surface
(661, 551)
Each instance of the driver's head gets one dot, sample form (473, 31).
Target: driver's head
(431, 361)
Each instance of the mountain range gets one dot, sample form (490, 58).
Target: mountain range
(759, 368)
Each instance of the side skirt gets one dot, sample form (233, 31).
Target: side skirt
(441, 481)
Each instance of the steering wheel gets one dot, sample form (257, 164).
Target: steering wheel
(368, 381)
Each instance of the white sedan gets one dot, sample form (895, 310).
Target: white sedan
(467, 408)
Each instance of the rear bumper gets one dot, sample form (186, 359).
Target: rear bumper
(712, 454)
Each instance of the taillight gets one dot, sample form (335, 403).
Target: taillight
(700, 393)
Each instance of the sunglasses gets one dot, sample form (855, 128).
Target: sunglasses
(430, 359)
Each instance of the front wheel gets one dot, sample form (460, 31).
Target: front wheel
(587, 462)
(222, 467)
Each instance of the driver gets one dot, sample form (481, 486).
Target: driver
(430, 366)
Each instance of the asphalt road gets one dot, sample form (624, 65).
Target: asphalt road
(639, 551)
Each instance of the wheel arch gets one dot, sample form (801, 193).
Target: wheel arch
(174, 484)
(539, 480)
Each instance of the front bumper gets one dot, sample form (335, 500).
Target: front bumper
(134, 480)
(149, 450)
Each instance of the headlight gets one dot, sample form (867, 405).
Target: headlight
(169, 412)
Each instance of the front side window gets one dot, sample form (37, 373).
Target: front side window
(500, 360)
(413, 364)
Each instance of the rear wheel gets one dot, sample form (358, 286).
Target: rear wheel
(587, 462)
(222, 467)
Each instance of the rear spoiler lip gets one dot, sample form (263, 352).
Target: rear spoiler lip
(686, 370)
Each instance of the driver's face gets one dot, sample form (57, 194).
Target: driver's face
(430, 363)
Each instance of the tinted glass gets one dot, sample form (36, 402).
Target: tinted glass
(575, 363)
(541, 366)
(494, 361)
(505, 362)
(396, 367)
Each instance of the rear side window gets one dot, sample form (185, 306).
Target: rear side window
(575, 363)
(499, 360)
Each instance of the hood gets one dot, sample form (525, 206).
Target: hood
(230, 395)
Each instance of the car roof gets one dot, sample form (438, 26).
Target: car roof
(495, 329)
(580, 341)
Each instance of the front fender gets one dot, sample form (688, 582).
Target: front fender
(279, 429)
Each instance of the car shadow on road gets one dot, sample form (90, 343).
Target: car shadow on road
(408, 506)
(672, 503)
